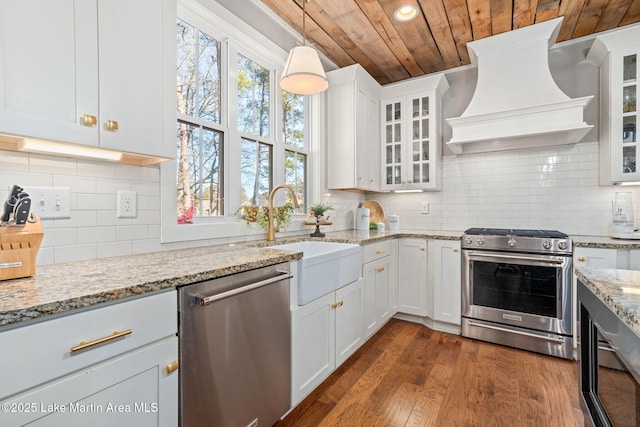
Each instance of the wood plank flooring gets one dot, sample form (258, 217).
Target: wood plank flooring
(409, 375)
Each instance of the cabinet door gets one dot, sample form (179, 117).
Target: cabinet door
(624, 114)
(349, 313)
(383, 289)
(420, 161)
(369, 274)
(412, 277)
(136, 48)
(596, 257)
(132, 389)
(48, 69)
(313, 345)
(392, 133)
(634, 259)
(448, 283)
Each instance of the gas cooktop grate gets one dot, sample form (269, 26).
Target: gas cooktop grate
(551, 234)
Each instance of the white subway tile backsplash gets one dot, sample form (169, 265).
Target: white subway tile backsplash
(96, 201)
(110, 249)
(54, 237)
(74, 253)
(76, 184)
(13, 162)
(96, 169)
(96, 235)
(132, 232)
(58, 166)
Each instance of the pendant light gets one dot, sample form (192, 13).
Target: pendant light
(303, 73)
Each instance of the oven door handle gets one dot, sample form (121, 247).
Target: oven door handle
(518, 257)
(512, 331)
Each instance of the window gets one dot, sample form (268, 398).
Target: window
(237, 134)
(295, 162)
(199, 136)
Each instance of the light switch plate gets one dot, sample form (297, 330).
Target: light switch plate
(50, 202)
(424, 208)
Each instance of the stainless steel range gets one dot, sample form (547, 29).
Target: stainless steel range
(516, 289)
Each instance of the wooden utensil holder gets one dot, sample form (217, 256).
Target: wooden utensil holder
(18, 250)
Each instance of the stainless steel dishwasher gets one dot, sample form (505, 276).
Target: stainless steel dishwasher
(235, 349)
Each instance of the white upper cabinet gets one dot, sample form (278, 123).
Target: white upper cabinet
(411, 134)
(353, 130)
(617, 55)
(92, 72)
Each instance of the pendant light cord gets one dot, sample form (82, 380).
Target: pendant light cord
(304, 33)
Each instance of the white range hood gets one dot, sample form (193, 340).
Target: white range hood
(517, 104)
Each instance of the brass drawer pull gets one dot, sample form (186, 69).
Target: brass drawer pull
(171, 367)
(85, 345)
(455, 249)
(340, 303)
(89, 120)
(111, 125)
(334, 305)
(581, 259)
(380, 251)
(422, 248)
(380, 270)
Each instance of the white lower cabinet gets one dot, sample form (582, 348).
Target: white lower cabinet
(126, 375)
(325, 332)
(600, 258)
(412, 277)
(380, 286)
(447, 281)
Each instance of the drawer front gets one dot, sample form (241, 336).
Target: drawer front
(376, 251)
(40, 352)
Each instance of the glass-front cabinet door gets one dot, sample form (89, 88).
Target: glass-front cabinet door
(628, 113)
(409, 150)
(392, 141)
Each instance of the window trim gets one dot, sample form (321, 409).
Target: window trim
(224, 27)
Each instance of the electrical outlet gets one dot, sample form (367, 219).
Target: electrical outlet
(50, 202)
(127, 204)
(424, 208)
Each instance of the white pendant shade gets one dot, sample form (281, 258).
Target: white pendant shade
(303, 73)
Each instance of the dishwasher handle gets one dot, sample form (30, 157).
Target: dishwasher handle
(204, 301)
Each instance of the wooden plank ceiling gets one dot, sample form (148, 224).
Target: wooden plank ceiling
(365, 32)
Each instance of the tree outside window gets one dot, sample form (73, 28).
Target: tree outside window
(295, 162)
(199, 144)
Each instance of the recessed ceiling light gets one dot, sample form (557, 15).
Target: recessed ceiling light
(405, 13)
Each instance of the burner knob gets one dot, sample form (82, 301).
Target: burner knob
(480, 241)
(547, 244)
(511, 242)
(468, 240)
(562, 245)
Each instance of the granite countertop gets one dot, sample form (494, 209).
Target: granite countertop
(618, 289)
(60, 288)
(604, 242)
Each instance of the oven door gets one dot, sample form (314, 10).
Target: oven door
(525, 290)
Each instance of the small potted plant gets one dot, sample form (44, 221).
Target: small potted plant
(319, 210)
(260, 215)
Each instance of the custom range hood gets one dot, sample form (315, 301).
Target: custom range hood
(516, 103)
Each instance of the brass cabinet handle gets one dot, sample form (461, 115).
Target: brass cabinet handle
(380, 270)
(380, 251)
(581, 259)
(334, 305)
(455, 249)
(340, 303)
(111, 125)
(85, 345)
(422, 248)
(173, 366)
(88, 120)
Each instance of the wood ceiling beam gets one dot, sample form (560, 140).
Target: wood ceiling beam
(547, 9)
(417, 36)
(436, 17)
(501, 16)
(524, 13)
(480, 14)
(571, 10)
(387, 31)
(589, 17)
(459, 20)
(632, 15)
(349, 18)
(613, 14)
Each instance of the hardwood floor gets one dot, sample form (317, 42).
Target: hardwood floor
(409, 375)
